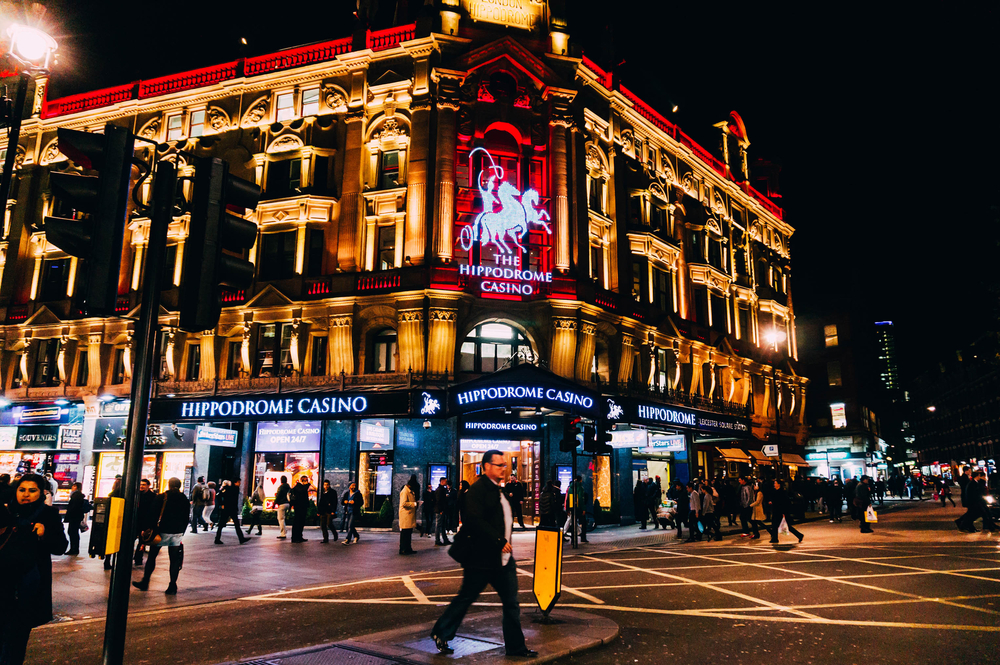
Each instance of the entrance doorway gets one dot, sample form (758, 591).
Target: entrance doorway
(523, 464)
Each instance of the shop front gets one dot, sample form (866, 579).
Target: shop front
(43, 439)
(169, 453)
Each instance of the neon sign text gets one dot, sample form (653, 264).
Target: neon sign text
(525, 392)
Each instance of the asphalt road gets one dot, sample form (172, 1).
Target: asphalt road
(915, 591)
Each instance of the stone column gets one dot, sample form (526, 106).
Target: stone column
(447, 108)
(441, 346)
(560, 186)
(94, 360)
(295, 345)
(563, 347)
(586, 342)
(410, 336)
(61, 360)
(349, 245)
(207, 342)
(627, 359)
(415, 234)
(340, 345)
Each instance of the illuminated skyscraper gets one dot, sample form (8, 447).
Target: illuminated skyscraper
(888, 371)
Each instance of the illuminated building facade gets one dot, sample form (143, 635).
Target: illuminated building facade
(445, 203)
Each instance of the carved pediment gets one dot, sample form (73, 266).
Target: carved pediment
(269, 297)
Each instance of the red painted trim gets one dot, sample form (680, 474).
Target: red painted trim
(297, 57)
(499, 296)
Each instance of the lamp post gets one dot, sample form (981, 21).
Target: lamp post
(775, 337)
(33, 50)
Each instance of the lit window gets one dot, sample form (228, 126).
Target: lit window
(310, 102)
(389, 173)
(839, 413)
(833, 373)
(386, 259)
(175, 127)
(197, 123)
(285, 107)
(830, 333)
(490, 346)
(384, 352)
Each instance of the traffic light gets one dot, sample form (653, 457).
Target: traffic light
(603, 437)
(571, 428)
(216, 241)
(589, 439)
(98, 238)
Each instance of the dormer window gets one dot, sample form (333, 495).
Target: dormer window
(285, 106)
(310, 102)
(175, 127)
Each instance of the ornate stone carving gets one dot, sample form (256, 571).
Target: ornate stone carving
(217, 118)
(564, 324)
(285, 143)
(588, 328)
(628, 141)
(411, 316)
(51, 153)
(334, 98)
(444, 315)
(19, 157)
(390, 129)
(689, 183)
(256, 112)
(151, 129)
(341, 321)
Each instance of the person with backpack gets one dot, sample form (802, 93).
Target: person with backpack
(198, 505)
(173, 509)
(256, 510)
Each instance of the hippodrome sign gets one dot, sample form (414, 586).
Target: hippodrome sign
(506, 218)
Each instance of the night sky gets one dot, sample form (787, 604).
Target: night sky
(884, 122)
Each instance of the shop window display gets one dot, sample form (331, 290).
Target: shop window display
(289, 449)
(376, 440)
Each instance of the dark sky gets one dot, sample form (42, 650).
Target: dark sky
(883, 120)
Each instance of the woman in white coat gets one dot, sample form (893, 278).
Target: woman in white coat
(408, 514)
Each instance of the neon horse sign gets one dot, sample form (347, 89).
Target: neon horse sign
(508, 224)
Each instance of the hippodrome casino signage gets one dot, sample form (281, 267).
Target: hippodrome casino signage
(671, 416)
(523, 394)
(311, 406)
(500, 229)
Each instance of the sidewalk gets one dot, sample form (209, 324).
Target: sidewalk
(480, 642)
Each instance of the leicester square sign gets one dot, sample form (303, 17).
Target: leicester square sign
(524, 14)
(506, 218)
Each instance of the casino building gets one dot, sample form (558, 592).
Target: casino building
(469, 233)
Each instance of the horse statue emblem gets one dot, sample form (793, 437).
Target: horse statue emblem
(511, 221)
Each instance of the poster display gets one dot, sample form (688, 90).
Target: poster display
(8, 438)
(64, 466)
(70, 437)
(289, 436)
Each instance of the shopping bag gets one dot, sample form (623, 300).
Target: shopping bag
(701, 527)
(871, 516)
(783, 527)
(936, 497)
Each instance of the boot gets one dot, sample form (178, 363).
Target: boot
(176, 563)
(142, 584)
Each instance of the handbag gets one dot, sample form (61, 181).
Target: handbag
(152, 536)
(461, 547)
(871, 516)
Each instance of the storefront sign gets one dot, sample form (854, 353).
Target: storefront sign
(493, 427)
(215, 436)
(37, 438)
(661, 443)
(287, 407)
(373, 432)
(829, 455)
(111, 409)
(8, 438)
(283, 437)
(42, 414)
(70, 437)
(684, 418)
(437, 472)
(524, 14)
(482, 445)
(630, 438)
(523, 396)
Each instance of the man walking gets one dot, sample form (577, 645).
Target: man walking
(146, 515)
(862, 499)
(441, 506)
(781, 508)
(694, 513)
(327, 511)
(639, 499)
(229, 509)
(427, 526)
(484, 549)
(353, 503)
(515, 496)
(172, 509)
(546, 503)
(281, 504)
(198, 505)
(746, 506)
(300, 503)
(708, 516)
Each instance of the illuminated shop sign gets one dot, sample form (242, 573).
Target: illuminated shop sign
(501, 227)
(524, 14)
(518, 395)
(288, 436)
(683, 418)
(502, 427)
(630, 438)
(215, 436)
(312, 406)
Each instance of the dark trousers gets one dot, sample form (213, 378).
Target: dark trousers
(350, 530)
(757, 525)
(693, 520)
(745, 519)
(947, 497)
(73, 529)
(176, 555)
(711, 521)
(776, 522)
(642, 514)
(197, 518)
(254, 520)
(441, 528)
(517, 512)
(427, 526)
(862, 518)
(405, 541)
(139, 549)
(223, 521)
(547, 519)
(504, 582)
(653, 517)
(680, 520)
(327, 525)
(836, 510)
(13, 642)
(299, 523)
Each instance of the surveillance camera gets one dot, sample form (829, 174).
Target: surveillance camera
(427, 424)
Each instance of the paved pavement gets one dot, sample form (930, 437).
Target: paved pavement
(914, 591)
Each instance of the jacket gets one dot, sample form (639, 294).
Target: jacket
(653, 495)
(863, 496)
(694, 502)
(746, 496)
(358, 504)
(707, 503)
(327, 503)
(77, 508)
(680, 496)
(199, 495)
(281, 496)
(148, 510)
(31, 554)
(176, 513)
(758, 507)
(300, 496)
(441, 499)
(407, 508)
(428, 501)
(228, 500)
(550, 501)
(639, 497)
(781, 504)
(483, 526)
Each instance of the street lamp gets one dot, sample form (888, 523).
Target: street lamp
(774, 337)
(32, 49)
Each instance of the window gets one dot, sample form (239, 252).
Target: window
(55, 279)
(319, 356)
(663, 290)
(46, 370)
(635, 215)
(169, 262)
(743, 319)
(194, 362)
(833, 373)
(830, 333)
(314, 264)
(386, 259)
(118, 368)
(637, 280)
(839, 413)
(18, 380)
(715, 253)
(659, 218)
(82, 368)
(388, 175)
(234, 359)
(284, 177)
(175, 127)
(277, 256)
(321, 172)
(197, 124)
(274, 355)
(490, 346)
(700, 296)
(285, 106)
(384, 352)
(595, 195)
(310, 101)
(719, 317)
(597, 264)
(694, 248)
(163, 350)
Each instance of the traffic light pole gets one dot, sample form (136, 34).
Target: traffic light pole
(575, 497)
(144, 346)
(13, 136)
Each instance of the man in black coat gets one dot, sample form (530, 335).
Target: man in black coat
(327, 511)
(147, 515)
(175, 510)
(515, 492)
(441, 506)
(76, 511)
(483, 547)
(300, 504)
(229, 509)
(427, 526)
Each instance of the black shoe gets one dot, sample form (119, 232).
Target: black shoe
(76, 553)
(442, 645)
(800, 538)
(141, 585)
(244, 540)
(171, 589)
(525, 653)
(250, 532)
(219, 542)
(326, 540)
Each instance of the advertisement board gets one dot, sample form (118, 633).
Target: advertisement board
(8, 438)
(215, 436)
(70, 437)
(289, 436)
(37, 438)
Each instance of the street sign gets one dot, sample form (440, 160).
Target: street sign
(547, 583)
(770, 450)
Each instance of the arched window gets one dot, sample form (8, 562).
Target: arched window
(489, 346)
(384, 352)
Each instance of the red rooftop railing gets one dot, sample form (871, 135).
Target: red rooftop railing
(391, 38)
(197, 78)
(603, 77)
(89, 100)
(297, 57)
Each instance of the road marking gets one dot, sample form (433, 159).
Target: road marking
(417, 593)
